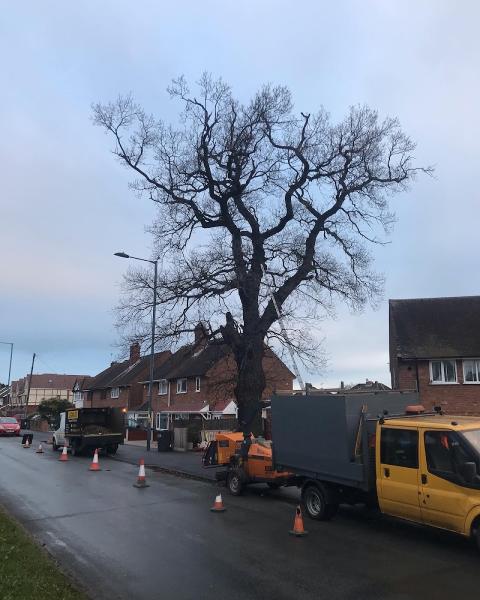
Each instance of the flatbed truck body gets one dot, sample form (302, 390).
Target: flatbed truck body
(84, 429)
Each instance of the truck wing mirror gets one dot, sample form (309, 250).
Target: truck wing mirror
(469, 471)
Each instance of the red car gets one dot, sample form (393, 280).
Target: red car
(9, 426)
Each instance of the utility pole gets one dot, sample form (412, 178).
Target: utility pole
(29, 385)
(152, 358)
(152, 344)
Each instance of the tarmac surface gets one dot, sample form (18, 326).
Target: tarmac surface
(121, 542)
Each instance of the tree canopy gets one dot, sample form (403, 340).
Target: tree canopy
(51, 408)
(255, 199)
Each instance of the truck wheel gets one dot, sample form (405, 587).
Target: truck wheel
(234, 483)
(74, 449)
(314, 500)
(112, 449)
(54, 445)
(476, 534)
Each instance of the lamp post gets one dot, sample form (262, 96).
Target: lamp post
(10, 365)
(152, 348)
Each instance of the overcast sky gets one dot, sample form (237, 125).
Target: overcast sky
(65, 204)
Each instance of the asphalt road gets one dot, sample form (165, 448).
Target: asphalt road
(163, 541)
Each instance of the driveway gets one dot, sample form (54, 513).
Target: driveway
(163, 542)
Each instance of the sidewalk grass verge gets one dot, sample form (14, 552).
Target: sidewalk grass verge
(26, 570)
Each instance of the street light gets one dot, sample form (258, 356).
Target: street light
(10, 365)
(152, 349)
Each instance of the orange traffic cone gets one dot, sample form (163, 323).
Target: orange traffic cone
(141, 479)
(95, 465)
(64, 455)
(26, 444)
(218, 504)
(298, 529)
(40, 449)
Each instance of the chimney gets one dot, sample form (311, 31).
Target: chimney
(134, 353)
(200, 334)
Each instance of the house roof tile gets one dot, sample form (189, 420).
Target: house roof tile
(198, 360)
(435, 327)
(54, 381)
(122, 374)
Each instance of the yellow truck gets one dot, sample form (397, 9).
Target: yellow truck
(382, 449)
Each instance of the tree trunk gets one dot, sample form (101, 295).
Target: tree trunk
(250, 385)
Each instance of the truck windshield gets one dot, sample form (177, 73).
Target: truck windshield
(473, 437)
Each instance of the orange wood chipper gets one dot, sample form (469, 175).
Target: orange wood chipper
(256, 467)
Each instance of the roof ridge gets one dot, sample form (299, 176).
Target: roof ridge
(434, 298)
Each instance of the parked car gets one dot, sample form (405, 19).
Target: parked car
(9, 426)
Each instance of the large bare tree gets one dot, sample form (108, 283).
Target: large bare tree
(254, 198)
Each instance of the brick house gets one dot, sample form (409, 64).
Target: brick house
(42, 387)
(118, 385)
(197, 382)
(435, 349)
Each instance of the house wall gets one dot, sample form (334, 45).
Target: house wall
(99, 402)
(39, 394)
(455, 398)
(218, 384)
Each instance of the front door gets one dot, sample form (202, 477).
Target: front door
(445, 501)
(398, 472)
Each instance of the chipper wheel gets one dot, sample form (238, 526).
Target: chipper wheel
(235, 482)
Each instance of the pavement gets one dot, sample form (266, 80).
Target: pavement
(124, 543)
(177, 463)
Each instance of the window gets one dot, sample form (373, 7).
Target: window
(446, 455)
(197, 384)
(162, 387)
(138, 420)
(161, 421)
(473, 437)
(471, 371)
(115, 392)
(443, 371)
(77, 396)
(399, 447)
(182, 386)
(181, 416)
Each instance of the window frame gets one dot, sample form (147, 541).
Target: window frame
(180, 391)
(415, 432)
(158, 419)
(442, 361)
(165, 381)
(197, 383)
(476, 361)
(114, 396)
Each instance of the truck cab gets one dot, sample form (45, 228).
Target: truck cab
(427, 470)
(58, 439)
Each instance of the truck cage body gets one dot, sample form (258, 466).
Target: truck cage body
(112, 419)
(326, 437)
